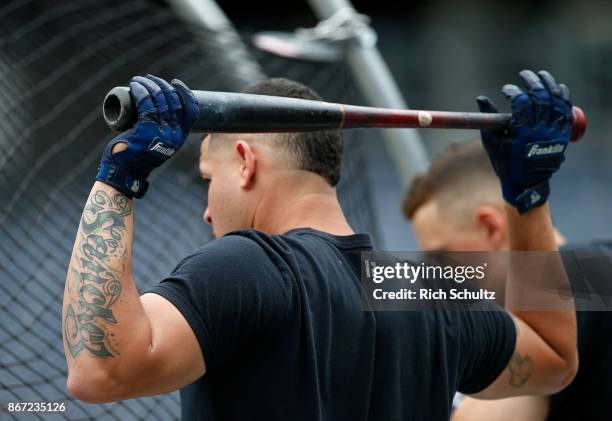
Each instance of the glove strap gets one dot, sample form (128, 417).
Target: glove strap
(532, 197)
(122, 180)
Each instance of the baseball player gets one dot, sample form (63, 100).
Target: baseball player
(266, 321)
(456, 205)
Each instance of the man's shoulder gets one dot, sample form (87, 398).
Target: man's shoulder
(241, 245)
(246, 250)
(239, 240)
(251, 250)
(236, 256)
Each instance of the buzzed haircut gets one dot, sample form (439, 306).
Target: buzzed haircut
(460, 173)
(318, 152)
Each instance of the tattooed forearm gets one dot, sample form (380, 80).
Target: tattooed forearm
(521, 369)
(94, 277)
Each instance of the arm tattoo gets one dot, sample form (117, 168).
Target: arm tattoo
(94, 284)
(521, 369)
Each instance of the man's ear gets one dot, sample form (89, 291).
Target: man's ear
(492, 221)
(247, 163)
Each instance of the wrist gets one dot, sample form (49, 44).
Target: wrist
(532, 230)
(122, 180)
(526, 198)
(110, 190)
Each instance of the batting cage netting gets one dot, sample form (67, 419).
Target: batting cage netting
(57, 61)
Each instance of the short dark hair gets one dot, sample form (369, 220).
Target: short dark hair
(317, 152)
(461, 171)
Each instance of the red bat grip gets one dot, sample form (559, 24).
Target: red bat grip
(246, 113)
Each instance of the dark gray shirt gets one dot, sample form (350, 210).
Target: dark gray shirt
(284, 337)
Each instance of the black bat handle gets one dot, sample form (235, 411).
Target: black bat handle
(237, 113)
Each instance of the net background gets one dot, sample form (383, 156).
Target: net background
(57, 61)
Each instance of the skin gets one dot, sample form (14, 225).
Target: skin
(545, 358)
(252, 185)
(482, 227)
(120, 345)
(521, 408)
(437, 229)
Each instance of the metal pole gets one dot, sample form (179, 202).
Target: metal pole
(379, 88)
(207, 15)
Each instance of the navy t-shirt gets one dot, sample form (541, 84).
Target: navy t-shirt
(284, 337)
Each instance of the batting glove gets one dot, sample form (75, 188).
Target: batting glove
(526, 155)
(166, 113)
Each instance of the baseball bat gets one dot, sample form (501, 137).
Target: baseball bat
(225, 112)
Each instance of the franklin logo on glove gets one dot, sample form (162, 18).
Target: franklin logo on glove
(161, 147)
(537, 150)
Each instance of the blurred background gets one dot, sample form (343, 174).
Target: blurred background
(59, 58)
(443, 53)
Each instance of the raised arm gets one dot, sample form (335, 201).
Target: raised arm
(545, 358)
(117, 344)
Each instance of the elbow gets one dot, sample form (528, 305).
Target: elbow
(570, 372)
(81, 390)
(566, 375)
(91, 387)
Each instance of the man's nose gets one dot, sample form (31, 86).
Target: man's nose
(207, 217)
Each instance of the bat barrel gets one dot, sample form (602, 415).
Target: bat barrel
(356, 116)
(245, 113)
(382, 117)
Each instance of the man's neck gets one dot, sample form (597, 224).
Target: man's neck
(306, 202)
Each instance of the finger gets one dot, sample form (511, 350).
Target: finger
(191, 110)
(521, 105)
(172, 99)
(142, 99)
(531, 81)
(485, 105)
(540, 96)
(565, 92)
(511, 91)
(560, 109)
(157, 95)
(549, 82)
(568, 116)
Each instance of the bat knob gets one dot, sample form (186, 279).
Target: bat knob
(118, 109)
(579, 124)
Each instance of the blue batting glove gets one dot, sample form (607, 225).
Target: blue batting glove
(166, 113)
(526, 156)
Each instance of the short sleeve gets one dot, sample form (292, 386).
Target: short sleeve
(231, 292)
(487, 342)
